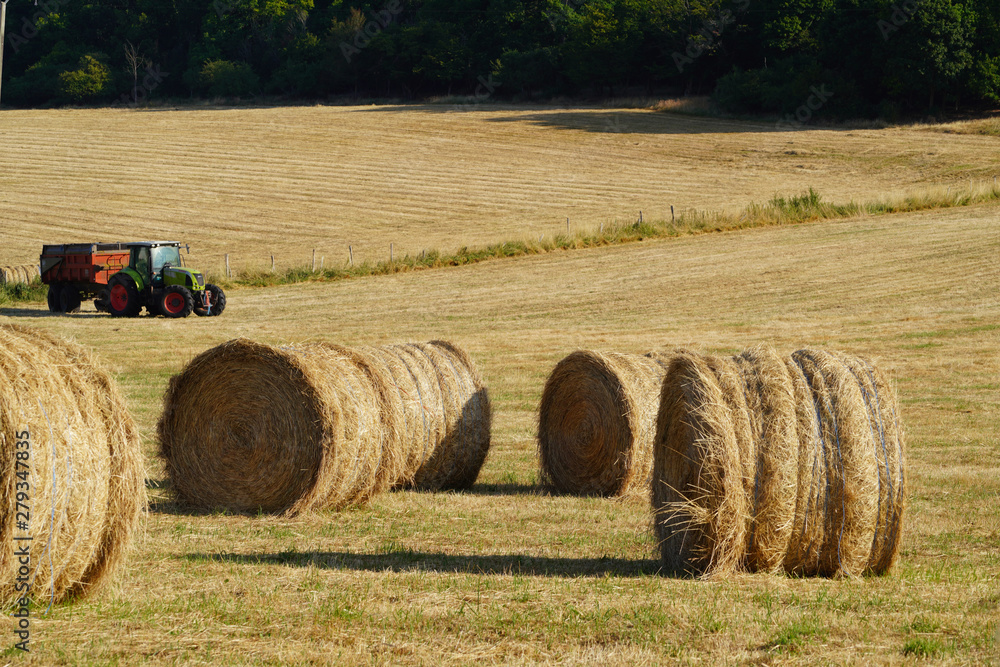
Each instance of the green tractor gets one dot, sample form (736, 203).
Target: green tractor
(156, 279)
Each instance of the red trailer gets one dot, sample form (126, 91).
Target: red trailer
(77, 271)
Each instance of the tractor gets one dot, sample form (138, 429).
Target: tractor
(125, 277)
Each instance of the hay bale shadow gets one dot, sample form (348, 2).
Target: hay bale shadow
(418, 561)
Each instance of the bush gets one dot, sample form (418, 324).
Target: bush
(86, 83)
(224, 78)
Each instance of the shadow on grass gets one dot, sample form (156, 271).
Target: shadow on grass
(417, 561)
(33, 312)
(502, 489)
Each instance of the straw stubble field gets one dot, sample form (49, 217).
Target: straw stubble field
(284, 181)
(503, 573)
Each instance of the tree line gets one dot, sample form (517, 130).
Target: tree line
(804, 59)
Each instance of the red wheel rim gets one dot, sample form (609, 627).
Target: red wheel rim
(119, 297)
(173, 303)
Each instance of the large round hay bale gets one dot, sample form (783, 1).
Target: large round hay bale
(85, 484)
(596, 423)
(808, 448)
(250, 427)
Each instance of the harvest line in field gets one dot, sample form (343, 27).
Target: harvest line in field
(807, 207)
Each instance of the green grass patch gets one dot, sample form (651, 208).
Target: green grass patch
(797, 633)
(806, 207)
(33, 292)
(923, 647)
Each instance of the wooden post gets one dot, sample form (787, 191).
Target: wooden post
(350, 255)
(390, 253)
(321, 262)
(671, 213)
(272, 263)
(640, 217)
(602, 228)
(228, 272)
(567, 226)
(314, 260)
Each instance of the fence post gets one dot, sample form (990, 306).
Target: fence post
(228, 272)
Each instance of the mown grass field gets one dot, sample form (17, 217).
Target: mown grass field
(284, 181)
(507, 574)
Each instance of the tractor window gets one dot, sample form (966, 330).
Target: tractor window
(166, 255)
(142, 261)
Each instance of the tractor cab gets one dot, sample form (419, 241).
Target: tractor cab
(154, 261)
(150, 259)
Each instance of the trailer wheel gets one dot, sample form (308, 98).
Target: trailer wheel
(53, 297)
(69, 299)
(123, 297)
(176, 301)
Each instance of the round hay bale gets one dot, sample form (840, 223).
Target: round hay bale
(251, 427)
(596, 423)
(882, 407)
(85, 484)
(700, 508)
(772, 494)
(851, 500)
(31, 271)
(447, 413)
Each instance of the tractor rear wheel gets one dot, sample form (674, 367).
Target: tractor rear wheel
(123, 297)
(53, 297)
(69, 299)
(176, 301)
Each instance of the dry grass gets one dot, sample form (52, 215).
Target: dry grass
(503, 573)
(282, 182)
(982, 126)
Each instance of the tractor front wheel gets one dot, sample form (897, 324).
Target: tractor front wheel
(217, 299)
(123, 297)
(176, 301)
